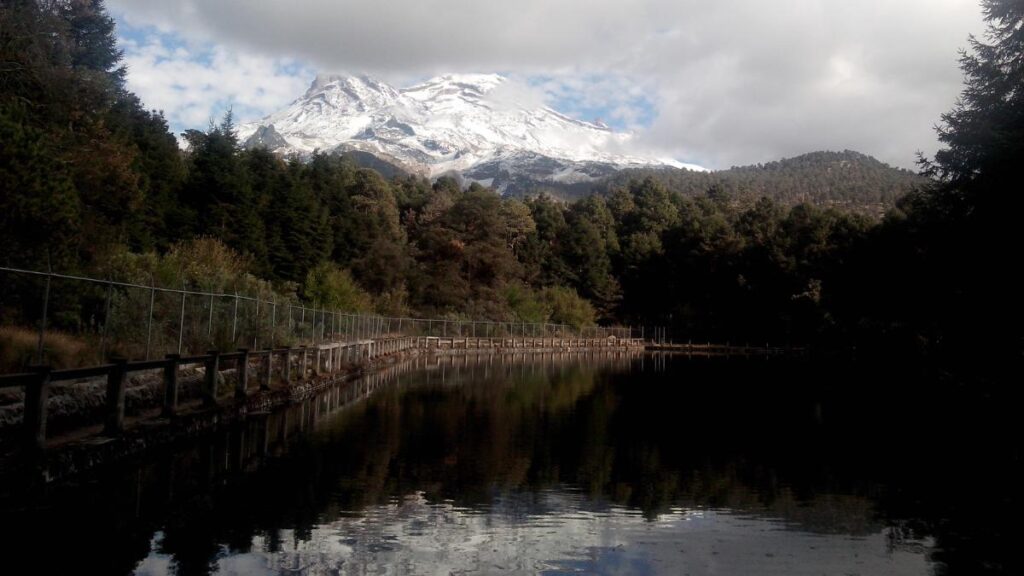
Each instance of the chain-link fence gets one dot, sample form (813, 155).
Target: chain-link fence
(62, 319)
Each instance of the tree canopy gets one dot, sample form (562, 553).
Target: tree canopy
(774, 252)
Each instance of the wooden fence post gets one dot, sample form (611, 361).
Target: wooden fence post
(210, 382)
(286, 368)
(116, 380)
(242, 369)
(171, 385)
(36, 395)
(268, 370)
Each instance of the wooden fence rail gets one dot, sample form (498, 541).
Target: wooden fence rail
(709, 349)
(321, 359)
(288, 365)
(468, 343)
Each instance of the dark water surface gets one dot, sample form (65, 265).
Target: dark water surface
(561, 464)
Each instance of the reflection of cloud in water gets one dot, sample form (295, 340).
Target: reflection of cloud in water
(412, 536)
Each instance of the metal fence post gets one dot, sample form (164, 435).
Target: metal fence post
(106, 321)
(181, 319)
(209, 327)
(234, 321)
(149, 319)
(42, 320)
(256, 332)
(312, 323)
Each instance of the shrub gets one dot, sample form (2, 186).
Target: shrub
(60, 350)
(332, 287)
(567, 307)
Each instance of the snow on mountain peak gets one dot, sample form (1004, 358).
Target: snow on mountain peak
(455, 122)
(354, 89)
(452, 83)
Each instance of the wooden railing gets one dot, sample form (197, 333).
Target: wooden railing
(321, 359)
(469, 343)
(292, 365)
(711, 349)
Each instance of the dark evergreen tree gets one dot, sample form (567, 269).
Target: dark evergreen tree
(984, 133)
(958, 240)
(541, 253)
(93, 41)
(219, 191)
(591, 243)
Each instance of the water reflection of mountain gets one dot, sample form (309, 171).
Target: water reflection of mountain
(505, 441)
(477, 433)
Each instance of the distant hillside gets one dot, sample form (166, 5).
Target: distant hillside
(366, 160)
(848, 180)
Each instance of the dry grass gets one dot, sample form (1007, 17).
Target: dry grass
(60, 350)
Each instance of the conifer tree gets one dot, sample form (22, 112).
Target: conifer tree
(984, 133)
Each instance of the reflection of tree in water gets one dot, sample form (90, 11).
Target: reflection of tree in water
(465, 440)
(698, 436)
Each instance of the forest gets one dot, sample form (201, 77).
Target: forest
(846, 180)
(94, 183)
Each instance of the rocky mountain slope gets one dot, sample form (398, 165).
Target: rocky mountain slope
(455, 123)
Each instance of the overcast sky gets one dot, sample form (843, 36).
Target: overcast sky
(714, 82)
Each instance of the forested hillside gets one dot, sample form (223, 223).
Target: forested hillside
(847, 180)
(92, 182)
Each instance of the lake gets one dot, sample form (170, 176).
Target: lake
(562, 464)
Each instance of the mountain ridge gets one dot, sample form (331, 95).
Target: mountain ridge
(456, 122)
(462, 125)
(848, 180)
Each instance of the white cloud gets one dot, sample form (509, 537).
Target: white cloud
(517, 92)
(194, 84)
(732, 81)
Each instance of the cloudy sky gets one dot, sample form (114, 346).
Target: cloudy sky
(714, 82)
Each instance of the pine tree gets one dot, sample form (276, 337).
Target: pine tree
(93, 40)
(984, 133)
(961, 287)
(219, 190)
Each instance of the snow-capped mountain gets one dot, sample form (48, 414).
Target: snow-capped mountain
(463, 123)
